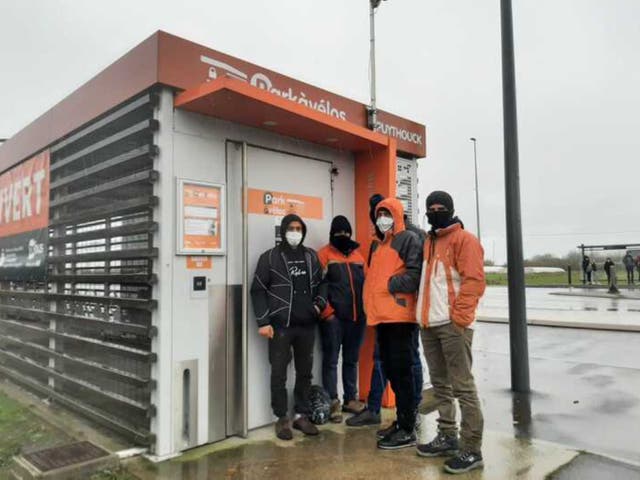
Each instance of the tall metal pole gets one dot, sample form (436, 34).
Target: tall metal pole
(517, 303)
(475, 164)
(372, 112)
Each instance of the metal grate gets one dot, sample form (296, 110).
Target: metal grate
(64, 456)
(83, 336)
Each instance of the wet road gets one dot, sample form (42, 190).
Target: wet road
(586, 388)
(566, 305)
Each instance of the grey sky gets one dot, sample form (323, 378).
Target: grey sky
(578, 75)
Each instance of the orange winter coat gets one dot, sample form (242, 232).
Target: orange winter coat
(393, 275)
(345, 276)
(452, 279)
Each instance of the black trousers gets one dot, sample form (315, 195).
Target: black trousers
(300, 341)
(398, 344)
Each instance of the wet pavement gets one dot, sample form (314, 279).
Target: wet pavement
(594, 467)
(586, 388)
(576, 306)
(341, 454)
(586, 396)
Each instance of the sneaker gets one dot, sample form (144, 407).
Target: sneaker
(353, 406)
(364, 418)
(464, 462)
(397, 439)
(335, 414)
(441, 446)
(305, 426)
(380, 434)
(283, 429)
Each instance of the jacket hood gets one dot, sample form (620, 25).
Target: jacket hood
(397, 212)
(292, 217)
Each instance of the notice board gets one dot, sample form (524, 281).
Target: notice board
(201, 222)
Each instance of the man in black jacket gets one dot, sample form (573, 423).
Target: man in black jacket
(288, 295)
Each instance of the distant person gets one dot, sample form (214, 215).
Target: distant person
(594, 269)
(613, 279)
(629, 265)
(344, 321)
(586, 274)
(638, 265)
(288, 293)
(451, 286)
(589, 272)
(607, 269)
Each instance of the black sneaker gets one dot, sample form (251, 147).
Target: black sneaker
(380, 434)
(364, 418)
(442, 445)
(397, 439)
(464, 462)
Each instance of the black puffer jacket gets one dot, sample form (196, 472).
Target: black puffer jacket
(272, 287)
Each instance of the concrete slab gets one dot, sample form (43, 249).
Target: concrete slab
(343, 453)
(594, 467)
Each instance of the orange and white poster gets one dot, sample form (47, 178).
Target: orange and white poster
(201, 222)
(279, 204)
(199, 262)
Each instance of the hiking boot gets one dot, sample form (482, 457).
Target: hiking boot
(380, 434)
(464, 462)
(441, 446)
(335, 415)
(397, 439)
(283, 429)
(364, 418)
(305, 426)
(353, 406)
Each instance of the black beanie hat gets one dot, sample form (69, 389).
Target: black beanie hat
(443, 198)
(374, 200)
(340, 224)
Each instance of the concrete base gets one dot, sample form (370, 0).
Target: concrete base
(340, 452)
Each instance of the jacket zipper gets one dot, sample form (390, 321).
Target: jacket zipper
(284, 258)
(353, 292)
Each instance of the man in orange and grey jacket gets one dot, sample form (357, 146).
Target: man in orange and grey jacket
(390, 303)
(343, 320)
(451, 285)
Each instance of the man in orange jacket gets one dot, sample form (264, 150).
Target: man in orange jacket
(343, 320)
(390, 304)
(451, 285)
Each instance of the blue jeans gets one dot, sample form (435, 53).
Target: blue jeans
(348, 335)
(379, 380)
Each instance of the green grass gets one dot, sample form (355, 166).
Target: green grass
(19, 428)
(536, 279)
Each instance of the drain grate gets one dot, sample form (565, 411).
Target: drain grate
(60, 457)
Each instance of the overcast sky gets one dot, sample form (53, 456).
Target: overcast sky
(578, 80)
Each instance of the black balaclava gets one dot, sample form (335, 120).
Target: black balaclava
(374, 200)
(343, 243)
(442, 219)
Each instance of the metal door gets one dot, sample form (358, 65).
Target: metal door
(303, 179)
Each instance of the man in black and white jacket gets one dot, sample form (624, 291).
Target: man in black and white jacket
(288, 294)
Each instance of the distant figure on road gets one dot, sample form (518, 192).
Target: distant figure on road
(630, 265)
(586, 269)
(607, 269)
(594, 268)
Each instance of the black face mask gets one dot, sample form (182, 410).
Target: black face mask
(342, 243)
(441, 219)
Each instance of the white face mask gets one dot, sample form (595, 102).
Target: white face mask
(294, 238)
(384, 224)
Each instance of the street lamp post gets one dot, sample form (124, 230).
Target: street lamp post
(475, 164)
(372, 112)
